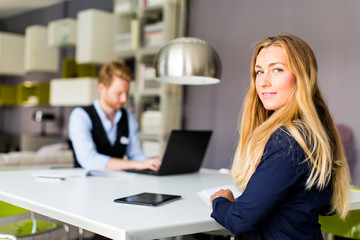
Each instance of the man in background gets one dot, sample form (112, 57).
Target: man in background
(104, 133)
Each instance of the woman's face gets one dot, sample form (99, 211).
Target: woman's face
(274, 81)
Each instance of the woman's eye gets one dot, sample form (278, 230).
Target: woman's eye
(259, 72)
(278, 70)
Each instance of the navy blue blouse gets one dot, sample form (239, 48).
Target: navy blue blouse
(275, 203)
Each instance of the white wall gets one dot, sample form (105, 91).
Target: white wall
(330, 27)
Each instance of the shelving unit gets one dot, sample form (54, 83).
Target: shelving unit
(140, 31)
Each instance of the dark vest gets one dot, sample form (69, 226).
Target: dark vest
(100, 138)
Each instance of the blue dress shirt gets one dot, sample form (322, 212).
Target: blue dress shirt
(80, 126)
(275, 204)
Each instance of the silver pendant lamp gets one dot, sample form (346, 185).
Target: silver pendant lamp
(187, 61)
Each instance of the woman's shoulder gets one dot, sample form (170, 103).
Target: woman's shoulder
(282, 143)
(282, 136)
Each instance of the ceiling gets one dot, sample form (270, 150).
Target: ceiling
(10, 8)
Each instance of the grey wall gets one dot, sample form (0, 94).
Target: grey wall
(331, 28)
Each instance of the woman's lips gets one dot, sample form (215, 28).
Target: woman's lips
(268, 94)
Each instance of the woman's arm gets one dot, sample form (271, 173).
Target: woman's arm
(274, 177)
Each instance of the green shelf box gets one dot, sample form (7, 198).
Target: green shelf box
(69, 68)
(73, 70)
(86, 70)
(33, 93)
(7, 95)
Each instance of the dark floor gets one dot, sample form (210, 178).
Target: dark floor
(205, 236)
(199, 236)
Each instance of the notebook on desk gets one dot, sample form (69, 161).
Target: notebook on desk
(184, 152)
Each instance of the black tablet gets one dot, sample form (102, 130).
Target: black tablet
(148, 199)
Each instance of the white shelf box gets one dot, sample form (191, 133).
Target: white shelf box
(38, 55)
(62, 32)
(95, 37)
(73, 91)
(12, 48)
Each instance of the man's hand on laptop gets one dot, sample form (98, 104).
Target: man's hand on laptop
(150, 163)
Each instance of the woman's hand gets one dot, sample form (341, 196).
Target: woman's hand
(225, 193)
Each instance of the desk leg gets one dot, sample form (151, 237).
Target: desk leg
(172, 238)
(328, 236)
(81, 234)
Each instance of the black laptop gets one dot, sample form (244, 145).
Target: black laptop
(184, 152)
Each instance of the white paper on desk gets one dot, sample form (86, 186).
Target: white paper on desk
(354, 196)
(206, 193)
(79, 172)
(60, 173)
(111, 174)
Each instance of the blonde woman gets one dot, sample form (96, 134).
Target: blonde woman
(289, 162)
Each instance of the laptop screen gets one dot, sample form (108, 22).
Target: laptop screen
(185, 151)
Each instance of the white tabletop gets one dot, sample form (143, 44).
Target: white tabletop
(87, 202)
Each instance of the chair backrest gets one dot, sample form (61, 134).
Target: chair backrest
(348, 228)
(7, 237)
(346, 135)
(7, 209)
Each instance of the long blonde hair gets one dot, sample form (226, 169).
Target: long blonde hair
(305, 116)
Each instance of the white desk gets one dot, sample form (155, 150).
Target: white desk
(87, 202)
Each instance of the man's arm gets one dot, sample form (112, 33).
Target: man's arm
(80, 126)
